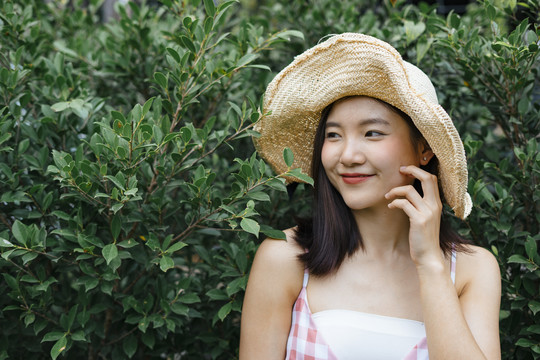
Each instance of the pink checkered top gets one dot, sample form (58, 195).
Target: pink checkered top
(306, 343)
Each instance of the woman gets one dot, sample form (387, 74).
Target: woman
(376, 273)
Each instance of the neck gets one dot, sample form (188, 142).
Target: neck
(385, 232)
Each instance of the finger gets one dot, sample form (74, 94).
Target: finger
(408, 192)
(404, 205)
(428, 181)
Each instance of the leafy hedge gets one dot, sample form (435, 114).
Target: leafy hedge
(130, 195)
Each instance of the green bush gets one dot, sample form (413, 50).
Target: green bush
(130, 195)
(126, 211)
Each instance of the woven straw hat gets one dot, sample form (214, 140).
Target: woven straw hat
(355, 64)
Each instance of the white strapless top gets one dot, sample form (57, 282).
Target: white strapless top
(356, 335)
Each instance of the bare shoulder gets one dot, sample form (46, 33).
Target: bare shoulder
(273, 286)
(477, 257)
(280, 259)
(477, 266)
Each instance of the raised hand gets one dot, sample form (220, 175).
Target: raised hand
(424, 214)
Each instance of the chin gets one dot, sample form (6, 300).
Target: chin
(356, 204)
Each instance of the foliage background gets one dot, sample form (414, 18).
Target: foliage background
(130, 196)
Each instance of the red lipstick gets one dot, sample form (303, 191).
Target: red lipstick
(354, 178)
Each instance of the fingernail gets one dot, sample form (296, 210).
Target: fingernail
(402, 167)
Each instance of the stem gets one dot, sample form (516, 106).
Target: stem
(5, 221)
(122, 337)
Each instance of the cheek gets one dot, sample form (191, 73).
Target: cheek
(403, 153)
(326, 156)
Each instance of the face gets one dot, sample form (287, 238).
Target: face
(365, 144)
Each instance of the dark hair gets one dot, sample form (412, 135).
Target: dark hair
(332, 233)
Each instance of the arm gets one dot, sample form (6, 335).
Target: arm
(464, 327)
(457, 327)
(274, 284)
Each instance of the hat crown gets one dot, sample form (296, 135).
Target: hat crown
(421, 83)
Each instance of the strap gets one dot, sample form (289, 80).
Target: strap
(453, 266)
(306, 278)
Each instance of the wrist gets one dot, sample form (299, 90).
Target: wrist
(432, 266)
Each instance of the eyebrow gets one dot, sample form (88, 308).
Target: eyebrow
(370, 121)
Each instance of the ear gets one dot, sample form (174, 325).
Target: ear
(426, 154)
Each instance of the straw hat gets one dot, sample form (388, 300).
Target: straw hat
(355, 64)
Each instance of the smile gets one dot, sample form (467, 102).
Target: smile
(354, 178)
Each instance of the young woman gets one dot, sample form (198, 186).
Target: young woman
(375, 273)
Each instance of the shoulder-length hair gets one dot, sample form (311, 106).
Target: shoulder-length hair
(332, 233)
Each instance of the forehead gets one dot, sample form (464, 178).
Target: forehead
(365, 111)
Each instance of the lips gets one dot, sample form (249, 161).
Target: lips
(355, 178)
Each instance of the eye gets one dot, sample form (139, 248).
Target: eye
(332, 135)
(373, 133)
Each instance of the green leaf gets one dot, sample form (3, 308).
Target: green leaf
(116, 207)
(52, 336)
(454, 20)
(174, 54)
(89, 282)
(189, 299)
(224, 311)
(78, 336)
(236, 285)
(147, 106)
(58, 347)
(29, 319)
(288, 33)
(115, 181)
(166, 263)
(60, 45)
(209, 7)
(534, 306)
(246, 59)
(61, 215)
(526, 342)
(143, 324)
(130, 345)
(518, 259)
(523, 104)
(188, 43)
(116, 227)
(127, 244)
(4, 137)
(23, 146)
(208, 25)
(250, 226)
(531, 248)
(491, 12)
(224, 5)
(535, 329)
(161, 80)
(217, 294)
(288, 156)
(297, 173)
(175, 247)
(179, 308)
(258, 66)
(273, 234)
(259, 196)
(20, 232)
(5, 243)
(60, 106)
(11, 281)
(422, 47)
(413, 30)
(71, 316)
(109, 252)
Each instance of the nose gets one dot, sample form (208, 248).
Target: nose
(352, 153)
